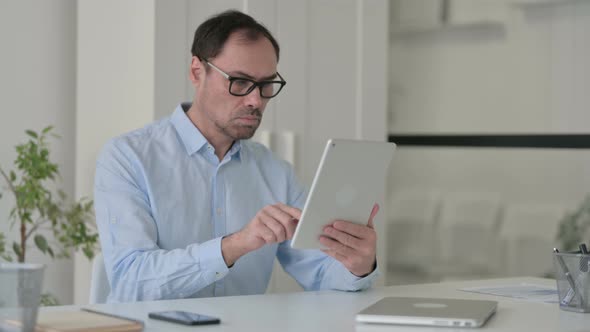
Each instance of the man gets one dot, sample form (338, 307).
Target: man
(188, 207)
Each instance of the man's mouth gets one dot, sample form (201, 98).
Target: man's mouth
(249, 119)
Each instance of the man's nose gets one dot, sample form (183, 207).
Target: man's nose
(253, 99)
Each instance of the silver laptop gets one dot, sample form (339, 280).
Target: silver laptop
(428, 311)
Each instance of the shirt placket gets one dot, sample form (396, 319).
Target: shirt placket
(219, 218)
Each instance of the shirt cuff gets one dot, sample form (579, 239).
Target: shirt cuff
(211, 260)
(355, 283)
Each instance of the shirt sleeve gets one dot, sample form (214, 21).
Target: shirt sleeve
(313, 269)
(136, 267)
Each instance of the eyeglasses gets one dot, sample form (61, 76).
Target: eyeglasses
(240, 86)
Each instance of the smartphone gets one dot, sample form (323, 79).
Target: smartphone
(183, 317)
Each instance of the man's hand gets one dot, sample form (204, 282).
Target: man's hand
(272, 224)
(353, 245)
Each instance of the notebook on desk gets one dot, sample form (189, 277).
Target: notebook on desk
(428, 311)
(82, 320)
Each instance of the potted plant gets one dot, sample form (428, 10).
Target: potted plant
(38, 207)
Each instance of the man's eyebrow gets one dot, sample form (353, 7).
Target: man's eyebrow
(244, 75)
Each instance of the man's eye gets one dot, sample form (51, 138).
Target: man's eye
(242, 83)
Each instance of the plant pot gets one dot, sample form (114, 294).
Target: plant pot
(20, 292)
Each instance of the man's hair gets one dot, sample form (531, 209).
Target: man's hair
(212, 34)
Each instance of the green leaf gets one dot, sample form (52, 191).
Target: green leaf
(66, 254)
(48, 299)
(47, 129)
(3, 253)
(88, 252)
(41, 243)
(32, 133)
(12, 176)
(16, 248)
(50, 252)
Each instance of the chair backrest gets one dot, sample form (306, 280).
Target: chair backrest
(99, 283)
(477, 209)
(410, 230)
(468, 230)
(414, 206)
(537, 221)
(528, 233)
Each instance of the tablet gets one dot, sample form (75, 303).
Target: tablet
(428, 311)
(347, 183)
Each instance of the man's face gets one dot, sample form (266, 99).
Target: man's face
(234, 117)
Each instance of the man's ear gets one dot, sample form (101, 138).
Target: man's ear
(197, 71)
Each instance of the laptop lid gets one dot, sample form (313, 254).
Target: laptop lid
(428, 311)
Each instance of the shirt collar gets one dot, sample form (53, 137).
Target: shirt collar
(191, 137)
(236, 150)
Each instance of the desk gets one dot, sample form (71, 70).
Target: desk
(335, 311)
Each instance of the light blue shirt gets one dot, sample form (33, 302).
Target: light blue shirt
(164, 201)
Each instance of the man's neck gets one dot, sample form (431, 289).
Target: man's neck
(220, 142)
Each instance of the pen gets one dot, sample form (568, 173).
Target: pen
(584, 259)
(572, 291)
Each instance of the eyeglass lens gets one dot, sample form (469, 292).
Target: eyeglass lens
(244, 87)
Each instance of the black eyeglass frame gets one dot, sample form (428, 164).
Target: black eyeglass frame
(255, 84)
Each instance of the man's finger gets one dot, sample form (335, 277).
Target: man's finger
(360, 231)
(275, 226)
(337, 246)
(372, 216)
(267, 234)
(339, 257)
(344, 238)
(292, 211)
(284, 218)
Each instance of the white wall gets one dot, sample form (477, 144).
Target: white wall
(115, 85)
(37, 89)
(529, 73)
(173, 40)
(521, 69)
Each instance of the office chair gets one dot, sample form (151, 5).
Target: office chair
(468, 234)
(99, 283)
(528, 234)
(410, 232)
